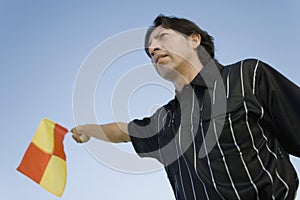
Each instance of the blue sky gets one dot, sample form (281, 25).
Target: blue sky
(45, 43)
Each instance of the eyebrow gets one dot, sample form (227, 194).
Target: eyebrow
(155, 36)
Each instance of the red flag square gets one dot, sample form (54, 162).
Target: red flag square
(34, 163)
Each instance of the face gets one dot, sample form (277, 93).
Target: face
(171, 52)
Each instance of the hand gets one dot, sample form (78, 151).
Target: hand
(79, 135)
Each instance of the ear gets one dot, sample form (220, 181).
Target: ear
(195, 39)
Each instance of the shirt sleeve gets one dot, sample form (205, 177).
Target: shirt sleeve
(281, 99)
(144, 135)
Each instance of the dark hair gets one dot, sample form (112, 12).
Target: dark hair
(186, 27)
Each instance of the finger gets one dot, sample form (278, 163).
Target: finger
(73, 130)
(84, 138)
(77, 138)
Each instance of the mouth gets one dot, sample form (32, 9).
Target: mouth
(158, 57)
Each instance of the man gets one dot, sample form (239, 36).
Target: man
(229, 130)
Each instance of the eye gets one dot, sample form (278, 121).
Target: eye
(162, 35)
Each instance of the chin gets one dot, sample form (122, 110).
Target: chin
(167, 73)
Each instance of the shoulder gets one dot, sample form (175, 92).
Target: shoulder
(248, 63)
(244, 73)
(248, 66)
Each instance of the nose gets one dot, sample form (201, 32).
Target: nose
(152, 51)
(154, 46)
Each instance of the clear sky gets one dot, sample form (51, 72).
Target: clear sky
(43, 48)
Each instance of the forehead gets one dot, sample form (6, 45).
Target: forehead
(156, 31)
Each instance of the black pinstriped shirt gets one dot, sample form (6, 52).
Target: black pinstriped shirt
(227, 135)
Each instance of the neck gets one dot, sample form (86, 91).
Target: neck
(186, 75)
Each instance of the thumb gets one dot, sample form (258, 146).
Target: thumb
(79, 137)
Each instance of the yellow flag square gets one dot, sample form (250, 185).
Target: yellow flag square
(54, 178)
(44, 136)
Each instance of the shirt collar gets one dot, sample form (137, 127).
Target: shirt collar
(208, 74)
(206, 77)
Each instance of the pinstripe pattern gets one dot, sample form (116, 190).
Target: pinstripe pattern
(186, 164)
(254, 77)
(208, 162)
(158, 129)
(248, 125)
(181, 177)
(263, 135)
(235, 143)
(273, 153)
(228, 84)
(220, 149)
(242, 159)
(244, 122)
(194, 148)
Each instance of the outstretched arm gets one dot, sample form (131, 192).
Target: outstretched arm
(112, 132)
